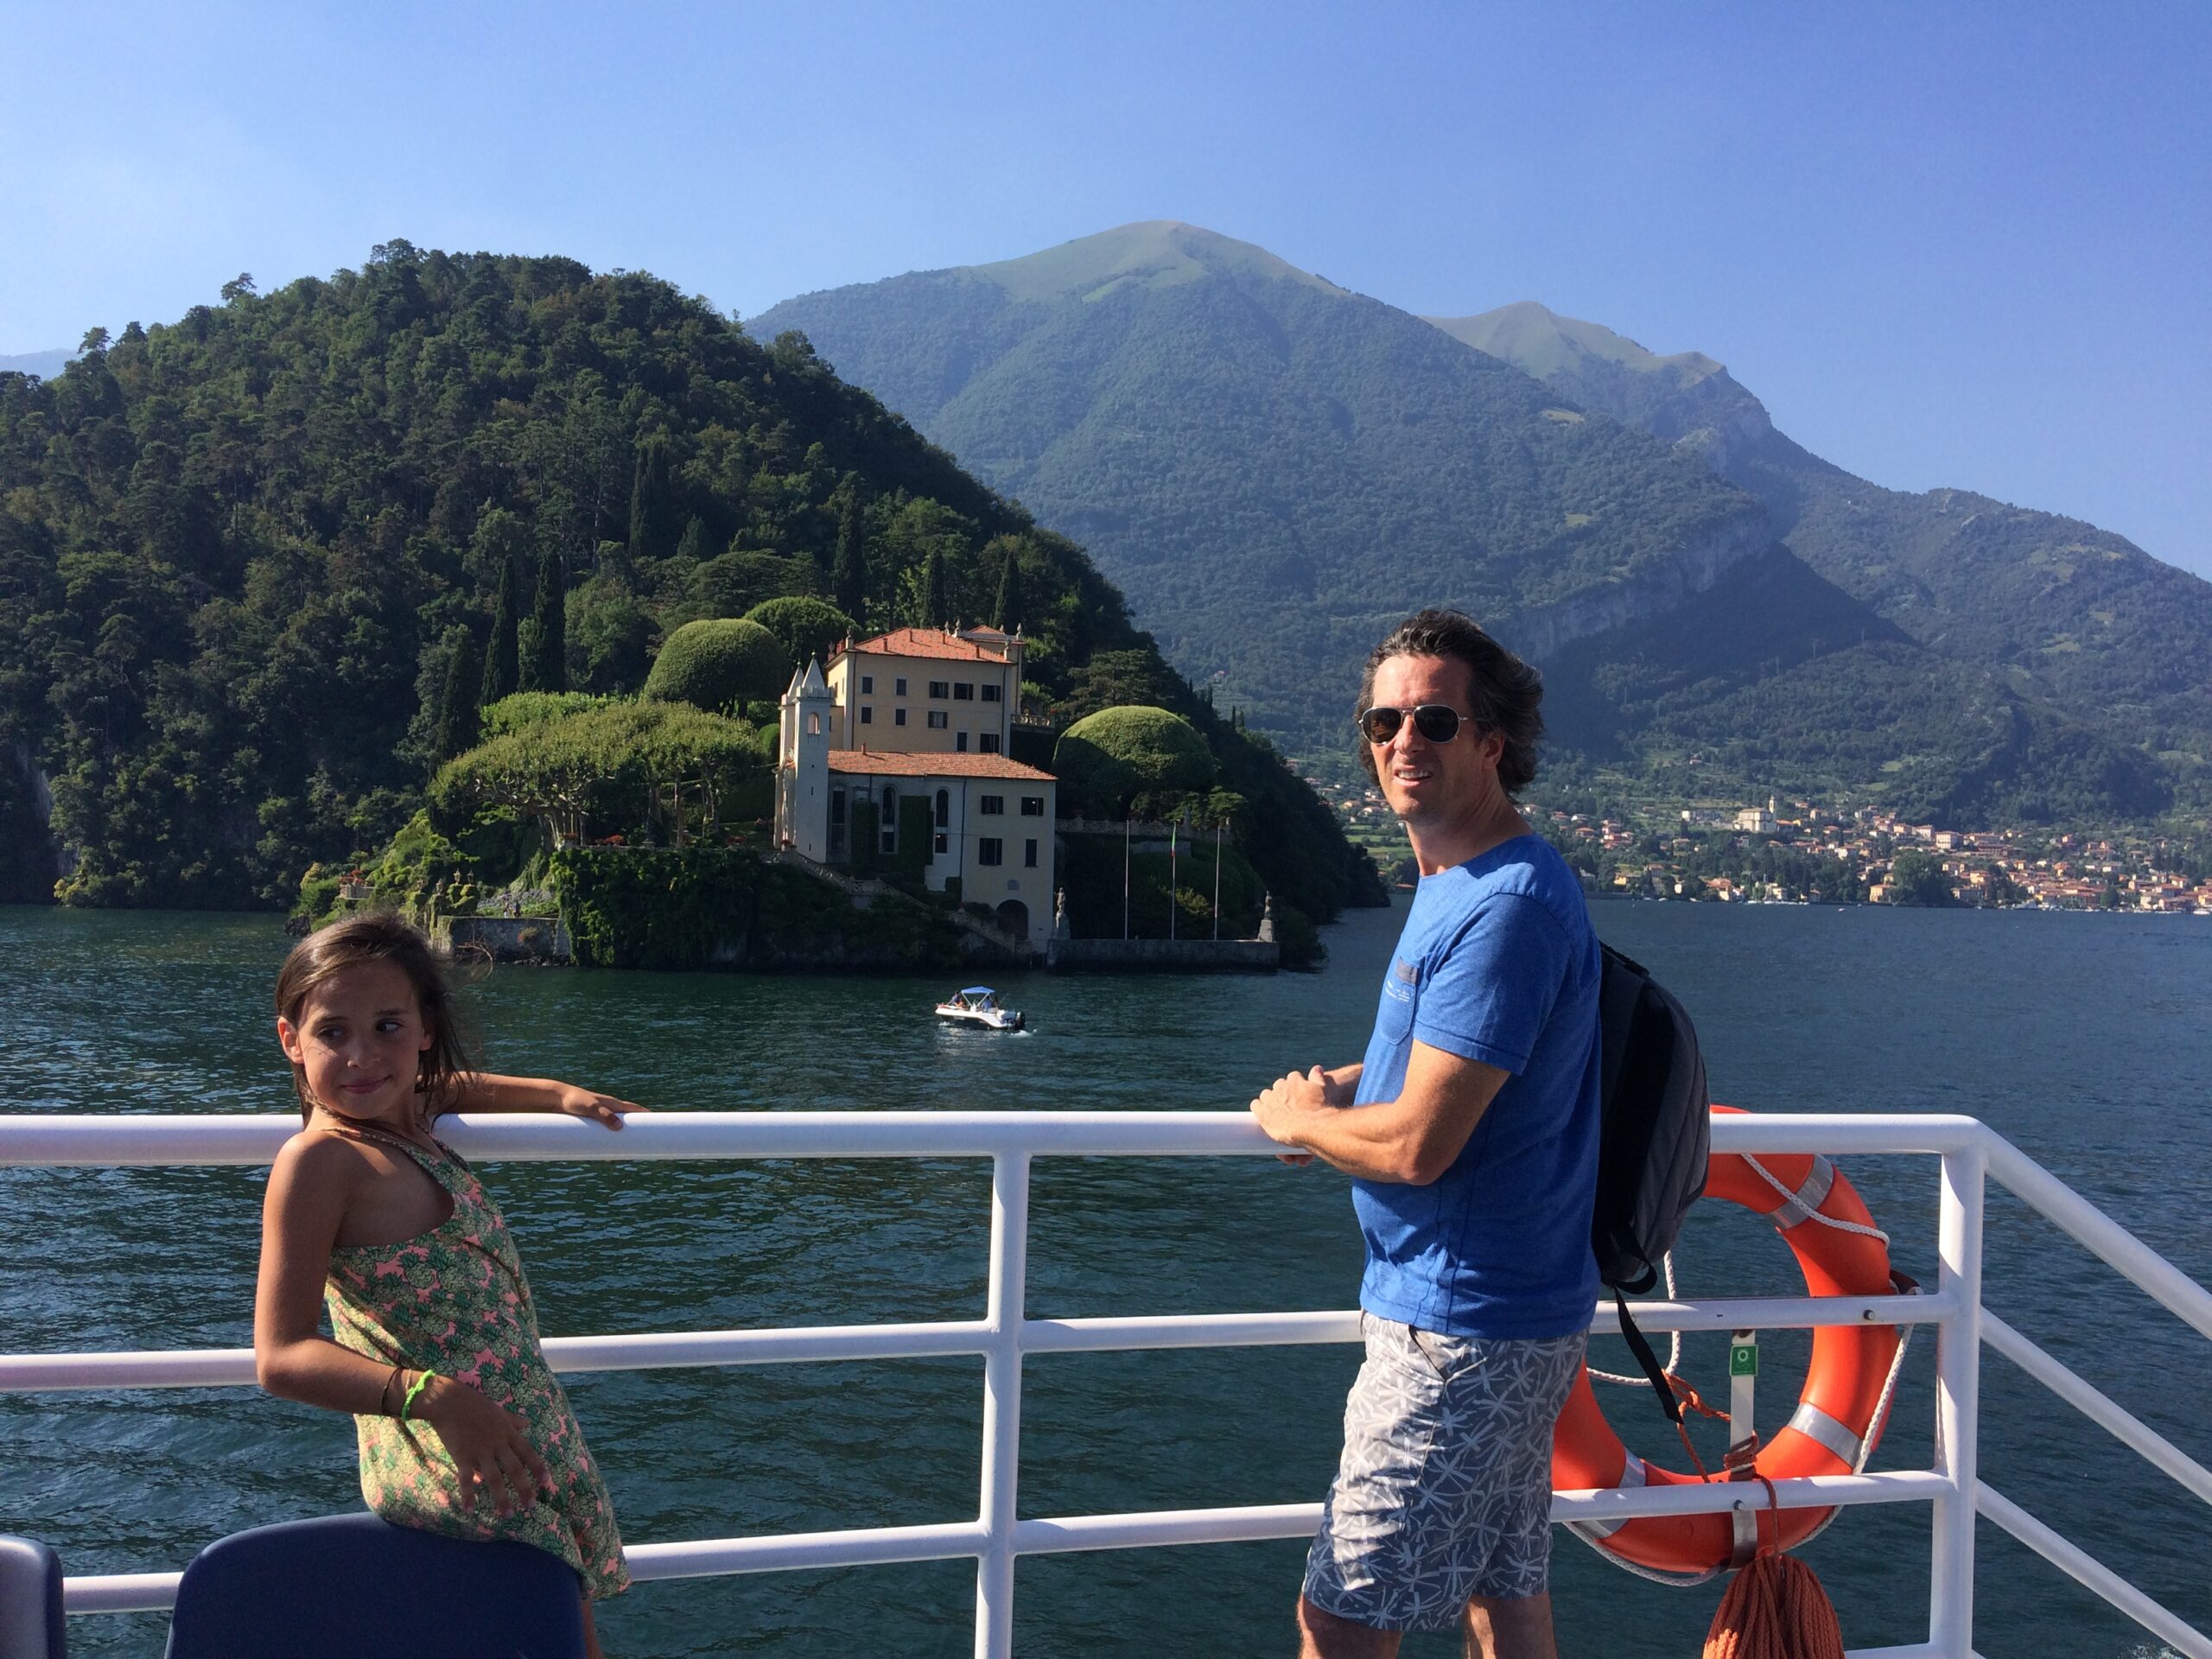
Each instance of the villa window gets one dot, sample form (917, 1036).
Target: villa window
(1029, 853)
(890, 819)
(836, 823)
(940, 689)
(944, 808)
(989, 742)
(989, 850)
(899, 686)
(1032, 806)
(939, 719)
(867, 714)
(963, 691)
(943, 842)
(991, 806)
(960, 743)
(867, 684)
(898, 716)
(994, 692)
(814, 725)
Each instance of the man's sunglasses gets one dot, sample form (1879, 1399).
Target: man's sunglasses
(1436, 721)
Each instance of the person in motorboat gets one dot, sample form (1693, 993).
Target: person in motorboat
(1470, 1129)
(978, 1005)
(462, 1427)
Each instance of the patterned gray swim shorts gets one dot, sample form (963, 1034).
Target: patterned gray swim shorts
(1445, 1489)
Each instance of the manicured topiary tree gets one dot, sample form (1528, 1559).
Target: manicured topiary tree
(808, 628)
(1105, 759)
(719, 664)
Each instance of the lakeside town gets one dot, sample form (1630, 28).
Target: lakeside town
(1796, 851)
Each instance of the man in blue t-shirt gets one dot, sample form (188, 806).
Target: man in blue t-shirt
(1470, 1129)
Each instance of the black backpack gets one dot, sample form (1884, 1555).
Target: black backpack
(1653, 1142)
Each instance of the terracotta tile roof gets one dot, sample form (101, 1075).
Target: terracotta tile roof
(928, 642)
(877, 763)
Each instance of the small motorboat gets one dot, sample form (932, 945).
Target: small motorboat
(979, 1006)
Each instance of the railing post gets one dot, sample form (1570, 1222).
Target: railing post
(1002, 1404)
(1958, 1402)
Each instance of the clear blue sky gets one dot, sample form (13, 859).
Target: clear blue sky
(1956, 244)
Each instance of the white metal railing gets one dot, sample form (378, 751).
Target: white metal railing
(1968, 1151)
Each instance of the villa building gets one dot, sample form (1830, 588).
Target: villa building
(922, 714)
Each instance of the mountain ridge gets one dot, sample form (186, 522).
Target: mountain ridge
(1273, 470)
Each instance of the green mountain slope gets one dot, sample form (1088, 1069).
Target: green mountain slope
(239, 556)
(1273, 469)
(2056, 609)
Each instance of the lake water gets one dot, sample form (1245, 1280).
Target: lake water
(2083, 1037)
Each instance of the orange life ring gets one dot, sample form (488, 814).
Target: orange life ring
(1835, 1414)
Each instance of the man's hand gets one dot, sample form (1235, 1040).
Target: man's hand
(1286, 1101)
(602, 1109)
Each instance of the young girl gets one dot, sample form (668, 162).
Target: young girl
(462, 1428)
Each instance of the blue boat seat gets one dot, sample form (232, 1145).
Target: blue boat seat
(30, 1600)
(355, 1586)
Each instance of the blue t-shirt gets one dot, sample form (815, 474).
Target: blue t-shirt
(1497, 962)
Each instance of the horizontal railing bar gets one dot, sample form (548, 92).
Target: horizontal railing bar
(863, 1546)
(119, 1139)
(2122, 1424)
(120, 1593)
(1797, 1492)
(2100, 1234)
(213, 1368)
(877, 1546)
(2089, 1572)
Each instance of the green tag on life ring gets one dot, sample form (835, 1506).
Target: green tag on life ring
(1744, 1359)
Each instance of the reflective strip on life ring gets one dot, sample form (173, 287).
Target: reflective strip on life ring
(1834, 1419)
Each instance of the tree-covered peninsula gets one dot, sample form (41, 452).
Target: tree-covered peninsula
(261, 569)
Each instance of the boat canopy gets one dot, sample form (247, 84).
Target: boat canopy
(979, 990)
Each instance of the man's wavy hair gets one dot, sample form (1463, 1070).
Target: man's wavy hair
(1506, 694)
(322, 955)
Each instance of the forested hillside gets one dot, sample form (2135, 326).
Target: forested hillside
(252, 564)
(2056, 609)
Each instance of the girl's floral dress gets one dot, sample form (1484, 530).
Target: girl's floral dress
(454, 1301)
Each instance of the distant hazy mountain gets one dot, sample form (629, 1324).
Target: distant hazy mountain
(2060, 609)
(1272, 468)
(44, 364)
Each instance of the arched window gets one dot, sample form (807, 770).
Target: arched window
(890, 819)
(945, 808)
(814, 724)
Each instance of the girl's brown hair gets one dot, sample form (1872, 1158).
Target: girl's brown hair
(325, 954)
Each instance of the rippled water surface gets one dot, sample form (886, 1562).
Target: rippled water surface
(2082, 1038)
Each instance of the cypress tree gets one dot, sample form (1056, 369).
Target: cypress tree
(848, 573)
(457, 723)
(652, 506)
(501, 669)
(934, 603)
(1007, 611)
(694, 544)
(545, 668)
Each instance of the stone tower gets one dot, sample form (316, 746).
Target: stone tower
(803, 765)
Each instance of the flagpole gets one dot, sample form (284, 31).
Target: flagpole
(1217, 880)
(1171, 876)
(1125, 878)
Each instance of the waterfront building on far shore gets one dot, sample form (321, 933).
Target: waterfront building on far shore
(905, 737)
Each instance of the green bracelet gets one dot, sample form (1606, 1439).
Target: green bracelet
(421, 1381)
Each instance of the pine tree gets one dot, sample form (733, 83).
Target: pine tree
(457, 723)
(501, 668)
(848, 573)
(545, 665)
(652, 505)
(1006, 613)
